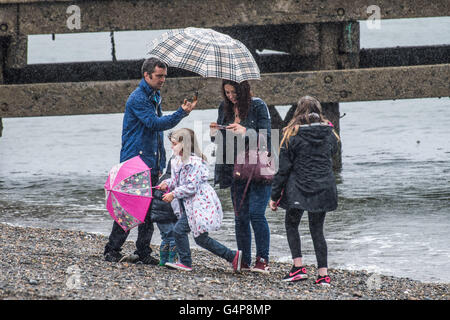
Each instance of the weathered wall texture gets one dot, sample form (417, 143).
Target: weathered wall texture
(275, 89)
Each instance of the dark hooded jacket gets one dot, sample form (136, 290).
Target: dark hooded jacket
(161, 211)
(305, 178)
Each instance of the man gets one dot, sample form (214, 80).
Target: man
(142, 134)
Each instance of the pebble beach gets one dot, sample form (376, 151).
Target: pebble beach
(56, 264)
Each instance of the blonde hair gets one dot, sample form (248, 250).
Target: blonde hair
(309, 110)
(188, 140)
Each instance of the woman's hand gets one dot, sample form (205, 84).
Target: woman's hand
(162, 186)
(237, 128)
(273, 205)
(168, 197)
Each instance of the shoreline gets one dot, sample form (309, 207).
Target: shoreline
(57, 264)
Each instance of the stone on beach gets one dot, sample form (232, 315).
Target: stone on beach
(68, 265)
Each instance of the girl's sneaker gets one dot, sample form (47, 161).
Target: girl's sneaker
(261, 265)
(323, 280)
(296, 274)
(178, 266)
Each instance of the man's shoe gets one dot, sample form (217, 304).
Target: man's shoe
(261, 265)
(296, 274)
(132, 258)
(178, 266)
(148, 260)
(237, 261)
(113, 256)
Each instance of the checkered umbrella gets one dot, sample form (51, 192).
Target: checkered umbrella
(206, 52)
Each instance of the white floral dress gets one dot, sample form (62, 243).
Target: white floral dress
(189, 182)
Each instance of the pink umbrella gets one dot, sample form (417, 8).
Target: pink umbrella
(129, 192)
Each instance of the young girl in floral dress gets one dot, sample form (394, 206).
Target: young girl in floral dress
(200, 205)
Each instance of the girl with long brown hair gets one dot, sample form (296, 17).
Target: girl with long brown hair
(305, 182)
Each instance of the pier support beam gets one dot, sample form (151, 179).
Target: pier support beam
(327, 46)
(50, 16)
(3, 44)
(96, 97)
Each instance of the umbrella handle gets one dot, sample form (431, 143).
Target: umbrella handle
(157, 187)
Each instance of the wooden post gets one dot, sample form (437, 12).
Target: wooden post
(2, 57)
(334, 46)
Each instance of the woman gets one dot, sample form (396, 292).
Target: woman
(241, 115)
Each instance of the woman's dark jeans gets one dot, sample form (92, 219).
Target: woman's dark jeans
(253, 211)
(316, 221)
(181, 232)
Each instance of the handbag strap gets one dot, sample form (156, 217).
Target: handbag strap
(236, 212)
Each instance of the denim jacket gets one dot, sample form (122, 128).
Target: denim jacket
(143, 126)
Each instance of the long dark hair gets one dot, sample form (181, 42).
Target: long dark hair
(309, 110)
(244, 97)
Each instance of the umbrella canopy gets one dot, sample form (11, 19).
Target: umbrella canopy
(128, 192)
(206, 52)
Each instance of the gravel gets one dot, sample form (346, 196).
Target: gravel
(60, 264)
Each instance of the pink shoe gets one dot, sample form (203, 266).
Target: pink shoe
(323, 280)
(178, 266)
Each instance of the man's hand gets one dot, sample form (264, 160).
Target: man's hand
(188, 106)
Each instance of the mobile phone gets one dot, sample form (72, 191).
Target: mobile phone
(221, 127)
